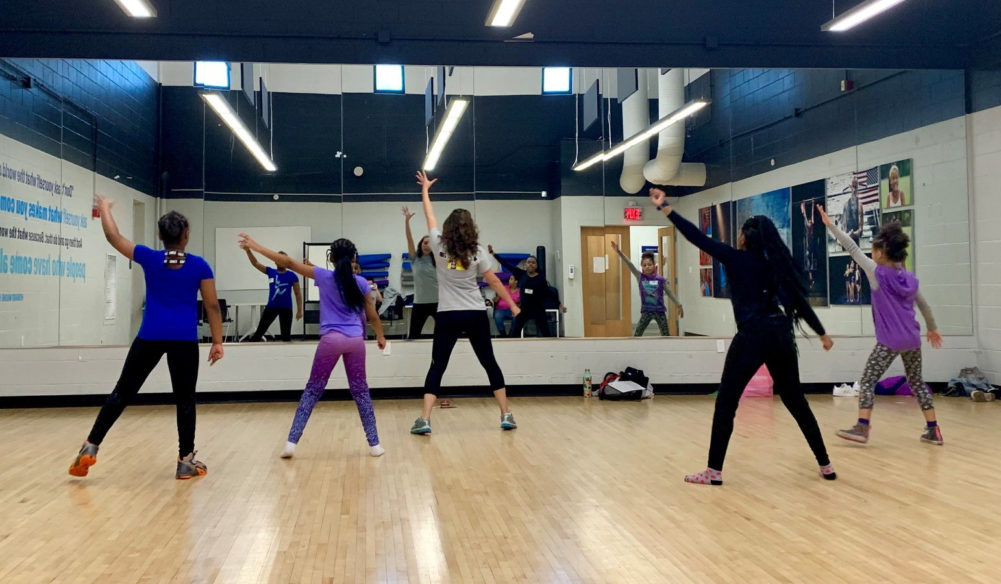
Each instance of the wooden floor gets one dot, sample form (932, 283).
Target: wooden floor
(583, 491)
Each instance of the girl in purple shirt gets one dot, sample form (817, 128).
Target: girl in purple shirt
(343, 298)
(894, 296)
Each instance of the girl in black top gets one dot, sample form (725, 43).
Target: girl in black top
(535, 295)
(768, 296)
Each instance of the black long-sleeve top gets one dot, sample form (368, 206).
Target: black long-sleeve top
(535, 290)
(753, 286)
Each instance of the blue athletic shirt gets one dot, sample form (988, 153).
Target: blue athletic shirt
(280, 291)
(171, 312)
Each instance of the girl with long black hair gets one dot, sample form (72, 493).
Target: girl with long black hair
(460, 259)
(344, 296)
(769, 296)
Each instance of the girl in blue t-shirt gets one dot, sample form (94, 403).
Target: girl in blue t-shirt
(343, 298)
(169, 327)
(282, 284)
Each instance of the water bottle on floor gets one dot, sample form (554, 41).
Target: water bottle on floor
(587, 383)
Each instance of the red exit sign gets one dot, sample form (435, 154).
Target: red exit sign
(633, 213)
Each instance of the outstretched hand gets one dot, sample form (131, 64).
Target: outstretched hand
(490, 249)
(424, 181)
(104, 203)
(247, 243)
(615, 245)
(658, 197)
(823, 216)
(407, 213)
(935, 338)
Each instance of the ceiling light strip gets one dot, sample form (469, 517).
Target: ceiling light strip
(859, 14)
(453, 113)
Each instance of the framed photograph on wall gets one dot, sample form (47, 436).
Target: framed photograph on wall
(896, 187)
(706, 226)
(809, 238)
(706, 282)
(853, 204)
(773, 204)
(848, 284)
(906, 219)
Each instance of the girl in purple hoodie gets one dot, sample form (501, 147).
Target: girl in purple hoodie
(894, 296)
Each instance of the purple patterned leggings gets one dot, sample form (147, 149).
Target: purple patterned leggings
(330, 349)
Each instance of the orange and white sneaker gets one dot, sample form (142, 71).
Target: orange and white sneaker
(84, 460)
(188, 467)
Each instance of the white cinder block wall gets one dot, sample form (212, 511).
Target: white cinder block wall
(985, 175)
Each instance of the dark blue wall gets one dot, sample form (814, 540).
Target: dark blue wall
(101, 115)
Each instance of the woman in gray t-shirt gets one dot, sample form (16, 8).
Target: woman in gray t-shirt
(459, 260)
(425, 280)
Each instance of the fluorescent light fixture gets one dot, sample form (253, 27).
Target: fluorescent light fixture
(222, 107)
(453, 113)
(859, 14)
(504, 12)
(556, 80)
(389, 78)
(668, 120)
(212, 74)
(137, 8)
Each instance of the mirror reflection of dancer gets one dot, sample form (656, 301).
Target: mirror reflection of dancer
(170, 326)
(425, 280)
(536, 294)
(344, 297)
(652, 289)
(280, 281)
(768, 297)
(894, 293)
(459, 259)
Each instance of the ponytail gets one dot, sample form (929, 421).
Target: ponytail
(762, 238)
(343, 253)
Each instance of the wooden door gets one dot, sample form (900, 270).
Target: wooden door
(605, 282)
(669, 269)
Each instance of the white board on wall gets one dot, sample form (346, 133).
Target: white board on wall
(232, 268)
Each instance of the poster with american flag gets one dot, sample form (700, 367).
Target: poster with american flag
(868, 186)
(853, 203)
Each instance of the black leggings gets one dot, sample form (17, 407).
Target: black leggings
(268, 316)
(768, 341)
(418, 316)
(182, 361)
(448, 327)
(539, 315)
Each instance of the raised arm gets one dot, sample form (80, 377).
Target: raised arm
(253, 261)
(425, 182)
(934, 337)
(864, 262)
(118, 241)
(211, 302)
(282, 261)
(716, 249)
(636, 272)
(502, 292)
(375, 321)
(512, 267)
(411, 250)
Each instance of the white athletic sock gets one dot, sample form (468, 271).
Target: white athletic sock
(289, 450)
(376, 450)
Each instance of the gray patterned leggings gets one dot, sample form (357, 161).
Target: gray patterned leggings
(879, 361)
(660, 317)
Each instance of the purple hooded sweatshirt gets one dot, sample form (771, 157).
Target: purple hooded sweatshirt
(893, 309)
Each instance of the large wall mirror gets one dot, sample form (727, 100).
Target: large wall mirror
(870, 146)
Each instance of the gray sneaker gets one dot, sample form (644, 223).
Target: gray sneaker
(932, 435)
(84, 460)
(421, 426)
(188, 467)
(507, 421)
(978, 395)
(857, 433)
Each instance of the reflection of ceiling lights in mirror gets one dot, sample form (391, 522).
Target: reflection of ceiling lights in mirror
(453, 113)
(504, 12)
(859, 14)
(658, 126)
(137, 8)
(229, 117)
